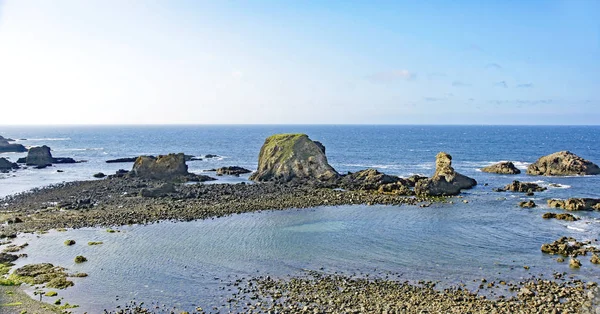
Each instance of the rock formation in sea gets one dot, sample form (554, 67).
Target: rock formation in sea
(505, 167)
(562, 163)
(6, 165)
(233, 170)
(575, 204)
(41, 157)
(524, 187)
(169, 167)
(7, 147)
(287, 157)
(445, 181)
(371, 179)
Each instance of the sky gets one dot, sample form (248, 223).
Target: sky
(299, 62)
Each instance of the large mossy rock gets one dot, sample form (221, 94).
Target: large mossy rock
(562, 163)
(505, 167)
(287, 157)
(165, 167)
(445, 181)
(39, 156)
(7, 147)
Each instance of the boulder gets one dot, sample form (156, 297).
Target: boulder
(524, 187)
(287, 157)
(562, 163)
(575, 204)
(6, 165)
(445, 181)
(234, 171)
(527, 204)
(7, 147)
(564, 216)
(39, 156)
(505, 167)
(371, 179)
(164, 167)
(99, 175)
(119, 160)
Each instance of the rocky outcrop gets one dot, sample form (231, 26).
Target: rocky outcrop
(371, 179)
(564, 216)
(287, 157)
(524, 187)
(7, 147)
(562, 163)
(160, 191)
(120, 160)
(164, 167)
(575, 204)
(569, 247)
(6, 165)
(505, 167)
(39, 156)
(233, 171)
(99, 175)
(445, 181)
(527, 204)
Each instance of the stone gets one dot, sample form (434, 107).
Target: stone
(6, 165)
(39, 156)
(287, 157)
(164, 167)
(527, 204)
(234, 170)
(575, 204)
(368, 179)
(7, 147)
(505, 167)
(161, 191)
(524, 187)
(445, 181)
(595, 259)
(564, 216)
(119, 160)
(574, 263)
(563, 163)
(99, 175)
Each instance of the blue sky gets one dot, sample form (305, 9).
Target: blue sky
(280, 62)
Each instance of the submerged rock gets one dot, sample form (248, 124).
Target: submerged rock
(234, 171)
(445, 181)
(527, 204)
(6, 147)
(119, 160)
(287, 157)
(523, 187)
(563, 163)
(575, 204)
(505, 167)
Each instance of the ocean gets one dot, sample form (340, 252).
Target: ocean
(187, 264)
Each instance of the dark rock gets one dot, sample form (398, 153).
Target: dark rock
(64, 160)
(6, 147)
(99, 175)
(6, 258)
(563, 163)
(574, 204)
(412, 180)
(445, 181)
(524, 187)
(527, 204)
(6, 165)
(39, 156)
(564, 216)
(22, 160)
(234, 170)
(41, 166)
(505, 167)
(161, 191)
(210, 156)
(165, 167)
(119, 160)
(568, 247)
(371, 179)
(59, 170)
(287, 157)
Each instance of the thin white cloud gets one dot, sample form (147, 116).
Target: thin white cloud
(394, 75)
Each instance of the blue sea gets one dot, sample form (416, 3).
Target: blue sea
(187, 264)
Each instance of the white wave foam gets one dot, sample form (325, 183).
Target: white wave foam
(49, 139)
(79, 149)
(576, 229)
(521, 164)
(382, 166)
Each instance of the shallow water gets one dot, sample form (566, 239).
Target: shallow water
(184, 264)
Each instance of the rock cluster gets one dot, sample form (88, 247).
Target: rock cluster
(234, 171)
(527, 204)
(6, 165)
(563, 216)
(445, 181)
(373, 180)
(505, 167)
(562, 163)
(575, 204)
(41, 157)
(169, 167)
(524, 187)
(568, 246)
(7, 147)
(287, 157)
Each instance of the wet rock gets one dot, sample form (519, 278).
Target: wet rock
(99, 175)
(287, 157)
(120, 160)
(234, 170)
(505, 167)
(575, 204)
(574, 263)
(371, 179)
(6, 258)
(209, 156)
(564, 216)
(69, 242)
(445, 181)
(6, 165)
(44, 273)
(595, 259)
(6, 147)
(161, 191)
(527, 204)
(80, 259)
(563, 163)
(39, 156)
(524, 187)
(568, 246)
(165, 167)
